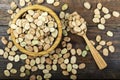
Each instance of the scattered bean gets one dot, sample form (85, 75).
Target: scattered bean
(105, 52)
(109, 33)
(73, 77)
(64, 7)
(87, 5)
(105, 10)
(107, 16)
(50, 1)
(102, 42)
(65, 73)
(99, 6)
(22, 3)
(109, 43)
(82, 66)
(112, 49)
(84, 53)
(40, 1)
(1, 52)
(9, 66)
(13, 71)
(79, 51)
(6, 73)
(99, 47)
(101, 27)
(115, 13)
(4, 41)
(73, 59)
(57, 3)
(73, 52)
(69, 67)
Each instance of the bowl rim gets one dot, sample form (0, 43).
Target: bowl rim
(53, 14)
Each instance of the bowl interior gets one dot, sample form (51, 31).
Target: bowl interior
(53, 14)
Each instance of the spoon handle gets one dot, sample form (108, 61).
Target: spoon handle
(97, 57)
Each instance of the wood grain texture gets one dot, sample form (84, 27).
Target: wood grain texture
(91, 71)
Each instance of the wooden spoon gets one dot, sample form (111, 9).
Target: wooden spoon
(96, 55)
(77, 26)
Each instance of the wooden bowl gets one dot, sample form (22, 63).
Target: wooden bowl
(53, 14)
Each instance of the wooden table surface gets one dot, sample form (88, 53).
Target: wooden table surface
(91, 71)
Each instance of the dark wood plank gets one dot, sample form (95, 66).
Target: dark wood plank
(113, 60)
(73, 6)
(91, 71)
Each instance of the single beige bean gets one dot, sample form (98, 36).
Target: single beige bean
(65, 73)
(22, 74)
(13, 5)
(82, 66)
(73, 59)
(115, 13)
(41, 66)
(62, 15)
(17, 58)
(10, 44)
(64, 7)
(69, 67)
(75, 66)
(22, 68)
(105, 52)
(67, 55)
(107, 16)
(73, 77)
(73, 52)
(57, 3)
(110, 33)
(9, 66)
(6, 73)
(23, 56)
(74, 71)
(102, 20)
(109, 43)
(4, 40)
(99, 47)
(102, 42)
(99, 6)
(96, 11)
(32, 62)
(40, 1)
(22, 3)
(1, 51)
(10, 58)
(12, 53)
(112, 49)
(96, 20)
(63, 66)
(98, 38)
(13, 71)
(101, 27)
(66, 61)
(97, 16)
(48, 61)
(105, 10)
(34, 68)
(5, 55)
(50, 1)
(54, 67)
(60, 60)
(87, 5)
(47, 76)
